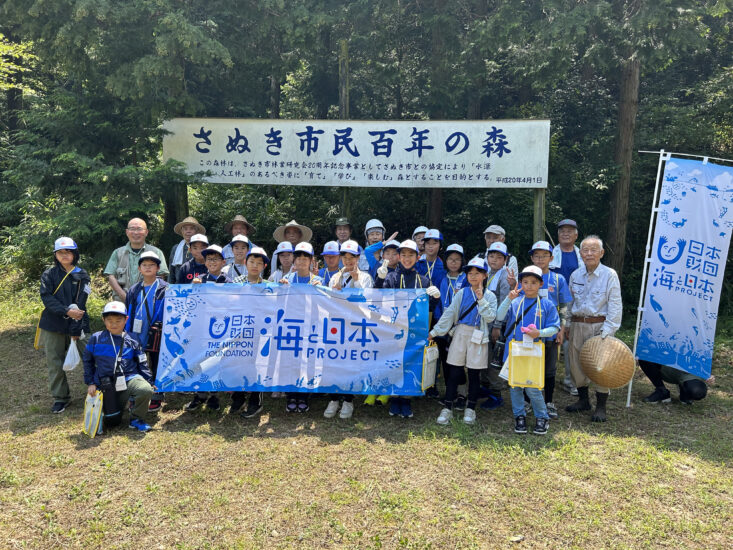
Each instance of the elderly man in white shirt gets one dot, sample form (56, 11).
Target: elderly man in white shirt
(595, 309)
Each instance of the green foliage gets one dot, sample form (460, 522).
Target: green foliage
(98, 78)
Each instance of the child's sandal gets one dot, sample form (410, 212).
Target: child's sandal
(292, 405)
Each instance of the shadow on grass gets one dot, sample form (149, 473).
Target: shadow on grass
(705, 428)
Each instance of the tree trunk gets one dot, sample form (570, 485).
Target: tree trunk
(619, 204)
(274, 97)
(175, 204)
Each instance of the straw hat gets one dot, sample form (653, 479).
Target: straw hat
(190, 220)
(279, 233)
(607, 362)
(240, 219)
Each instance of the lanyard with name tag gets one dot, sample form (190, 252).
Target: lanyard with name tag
(120, 383)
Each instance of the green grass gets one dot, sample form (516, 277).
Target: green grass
(651, 477)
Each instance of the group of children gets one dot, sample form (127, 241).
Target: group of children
(478, 306)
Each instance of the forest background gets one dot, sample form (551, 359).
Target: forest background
(85, 85)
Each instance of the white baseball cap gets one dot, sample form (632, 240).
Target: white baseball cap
(455, 247)
(352, 247)
(285, 246)
(259, 251)
(498, 247)
(199, 238)
(64, 243)
(531, 270)
(419, 229)
(409, 244)
(212, 249)
(304, 247)
(478, 263)
(541, 245)
(392, 244)
(497, 229)
(240, 239)
(331, 248)
(148, 255)
(433, 234)
(114, 307)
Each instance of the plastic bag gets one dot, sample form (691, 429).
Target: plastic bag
(72, 357)
(429, 365)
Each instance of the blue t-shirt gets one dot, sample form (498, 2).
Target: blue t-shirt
(326, 275)
(569, 264)
(543, 317)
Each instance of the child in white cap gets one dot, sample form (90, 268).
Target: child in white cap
(301, 275)
(145, 303)
(195, 267)
(350, 276)
(282, 261)
(532, 317)
(237, 263)
(555, 288)
(405, 276)
(331, 258)
(472, 313)
(65, 288)
(115, 364)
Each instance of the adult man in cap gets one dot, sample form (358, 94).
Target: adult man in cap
(121, 270)
(566, 259)
(180, 253)
(595, 309)
(238, 226)
(496, 234)
(343, 230)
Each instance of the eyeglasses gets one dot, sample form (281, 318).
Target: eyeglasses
(136, 229)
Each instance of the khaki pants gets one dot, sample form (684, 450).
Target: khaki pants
(579, 333)
(55, 346)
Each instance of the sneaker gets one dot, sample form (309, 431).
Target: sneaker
(303, 406)
(383, 399)
(59, 407)
(139, 425)
(155, 405)
(332, 409)
(370, 400)
(659, 395)
(446, 415)
(551, 411)
(292, 405)
(460, 403)
(194, 404)
(469, 416)
(569, 387)
(493, 402)
(406, 408)
(432, 392)
(212, 403)
(254, 407)
(520, 425)
(238, 399)
(540, 426)
(347, 409)
(394, 406)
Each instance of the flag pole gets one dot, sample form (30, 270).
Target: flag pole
(663, 157)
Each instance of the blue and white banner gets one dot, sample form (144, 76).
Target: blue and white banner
(687, 267)
(299, 338)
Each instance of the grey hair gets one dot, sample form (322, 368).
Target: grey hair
(592, 238)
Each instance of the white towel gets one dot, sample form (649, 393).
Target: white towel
(178, 256)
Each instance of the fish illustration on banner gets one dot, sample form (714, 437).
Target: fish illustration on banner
(266, 337)
(687, 267)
